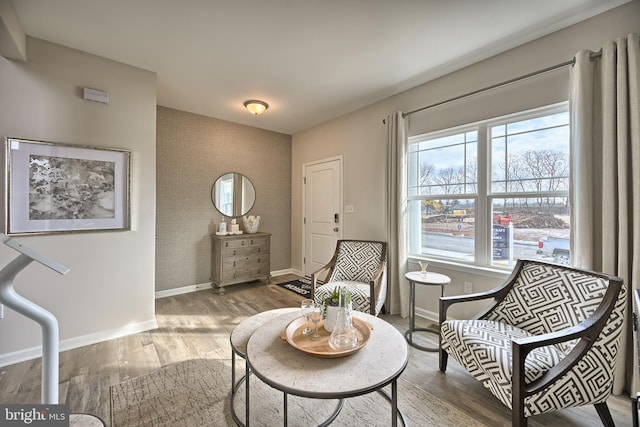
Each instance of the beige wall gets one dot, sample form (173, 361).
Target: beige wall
(361, 137)
(110, 288)
(194, 150)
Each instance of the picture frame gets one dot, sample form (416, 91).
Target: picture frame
(61, 188)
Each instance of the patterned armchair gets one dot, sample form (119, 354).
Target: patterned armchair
(549, 340)
(359, 266)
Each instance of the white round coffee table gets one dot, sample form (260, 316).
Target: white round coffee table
(429, 279)
(283, 367)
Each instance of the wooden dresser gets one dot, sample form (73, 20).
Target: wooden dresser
(240, 258)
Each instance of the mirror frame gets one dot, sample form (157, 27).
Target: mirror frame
(236, 196)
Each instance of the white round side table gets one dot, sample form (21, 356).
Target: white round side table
(430, 279)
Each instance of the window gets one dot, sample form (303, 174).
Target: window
(492, 192)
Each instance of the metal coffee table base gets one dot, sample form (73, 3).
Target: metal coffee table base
(238, 340)
(235, 386)
(393, 400)
(234, 389)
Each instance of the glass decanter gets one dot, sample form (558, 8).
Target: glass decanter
(343, 336)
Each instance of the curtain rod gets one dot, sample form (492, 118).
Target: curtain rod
(505, 83)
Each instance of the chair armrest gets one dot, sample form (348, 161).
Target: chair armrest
(315, 274)
(498, 293)
(530, 343)
(448, 301)
(375, 281)
(587, 332)
(374, 288)
(377, 277)
(523, 346)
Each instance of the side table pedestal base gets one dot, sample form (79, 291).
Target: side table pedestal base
(409, 336)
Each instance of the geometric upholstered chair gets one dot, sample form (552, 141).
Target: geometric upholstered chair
(549, 340)
(359, 266)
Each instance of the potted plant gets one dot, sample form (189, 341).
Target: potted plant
(332, 305)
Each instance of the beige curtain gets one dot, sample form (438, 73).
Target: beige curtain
(605, 173)
(398, 295)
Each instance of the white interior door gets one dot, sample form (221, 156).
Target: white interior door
(322, 212)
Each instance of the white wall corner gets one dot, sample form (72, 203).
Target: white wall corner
(13, 40)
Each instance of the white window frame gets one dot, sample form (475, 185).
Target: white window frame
(483, 256)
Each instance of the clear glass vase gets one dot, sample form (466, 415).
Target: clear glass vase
(343, 336)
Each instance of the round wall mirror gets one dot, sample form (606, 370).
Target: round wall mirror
(233, 194)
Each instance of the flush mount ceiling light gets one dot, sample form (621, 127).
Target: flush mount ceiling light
(256, 107)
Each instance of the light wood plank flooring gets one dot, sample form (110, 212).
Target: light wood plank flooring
(194, 325)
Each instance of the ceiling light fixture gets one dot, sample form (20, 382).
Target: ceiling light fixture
(256, 107)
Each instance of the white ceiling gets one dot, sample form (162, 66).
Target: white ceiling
(311, 60)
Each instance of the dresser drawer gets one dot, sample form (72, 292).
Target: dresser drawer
(245, 274)
(230, 252)
(243, 262)
(245, 242)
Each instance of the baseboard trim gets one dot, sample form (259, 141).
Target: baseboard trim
(200, 286)
(283, 272)
(76, 342)
(183, 290)
(428, 315)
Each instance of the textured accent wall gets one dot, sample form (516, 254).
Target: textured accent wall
(192, 151)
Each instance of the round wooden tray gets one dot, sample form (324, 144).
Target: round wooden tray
(293, 335)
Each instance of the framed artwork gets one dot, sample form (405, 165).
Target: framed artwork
(55, 188)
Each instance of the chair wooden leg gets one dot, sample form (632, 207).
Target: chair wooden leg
(634, 411)
(605, 414)
(517, 414)
(443, 360)
(518, 421)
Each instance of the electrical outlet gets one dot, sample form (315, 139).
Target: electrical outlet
(468, 287)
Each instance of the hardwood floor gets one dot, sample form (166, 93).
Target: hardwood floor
(194, 325)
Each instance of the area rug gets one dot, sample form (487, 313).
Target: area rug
(197, 393)
(301, 286)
